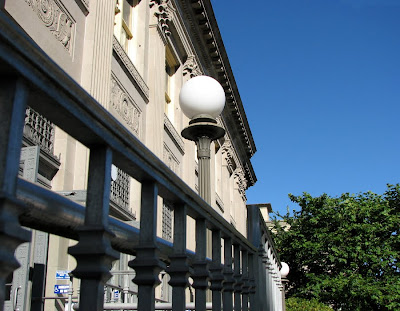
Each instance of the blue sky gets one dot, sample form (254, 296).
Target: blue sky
(320, 83)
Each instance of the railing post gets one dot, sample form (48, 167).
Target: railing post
(261, 281)
(216, 271)
(246, 281)
(201, 272)
(179, 268)
(147, 264)
(238, 279)
(268, 290)
(254, 236)
(13, 101)
(252, 282)
(284, 282)
(276, 286)
(228, 275)
(94, 253)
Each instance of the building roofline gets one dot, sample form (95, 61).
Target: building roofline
(215, 61)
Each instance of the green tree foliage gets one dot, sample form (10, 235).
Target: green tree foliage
(344, 251)
(301, 304)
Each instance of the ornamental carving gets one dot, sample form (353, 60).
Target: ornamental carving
(227, 151)
(170, 160)
(125, 106)
(191, 67)
(164, 12)
(56, 19)
(241, 181)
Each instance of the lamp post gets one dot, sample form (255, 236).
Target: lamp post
(202, 99)
(284, 272)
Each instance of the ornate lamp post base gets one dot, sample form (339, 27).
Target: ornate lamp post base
(203, 130)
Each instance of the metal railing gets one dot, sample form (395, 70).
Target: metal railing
(29, 77)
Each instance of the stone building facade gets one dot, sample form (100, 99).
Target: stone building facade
(132, 56)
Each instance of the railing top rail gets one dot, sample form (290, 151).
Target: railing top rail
(59, 98)
(271, 243)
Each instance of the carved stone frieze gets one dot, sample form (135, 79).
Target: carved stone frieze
(164, 13)
(169, 127)
(56, 19)
(134, 73)
(191, 67)
(170, 160)
(125, 106)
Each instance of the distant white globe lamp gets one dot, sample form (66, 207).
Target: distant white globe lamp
(284, 273)
(284, 270)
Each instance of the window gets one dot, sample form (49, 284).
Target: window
(120, 188)
(167, 217)
(169, 72)
(170, 69)
(218, 168)
(124, 22)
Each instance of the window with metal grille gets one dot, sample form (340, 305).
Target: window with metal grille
(167, 216)
(120, 189)
(39, 130)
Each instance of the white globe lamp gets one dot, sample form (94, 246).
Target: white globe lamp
(202, 100)
(202, 96)
(284, 270)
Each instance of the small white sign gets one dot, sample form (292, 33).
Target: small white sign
(116, 294)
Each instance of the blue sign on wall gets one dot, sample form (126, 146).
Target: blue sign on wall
(62, 275)
(61, 289)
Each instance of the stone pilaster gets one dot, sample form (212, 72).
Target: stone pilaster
(96, 79)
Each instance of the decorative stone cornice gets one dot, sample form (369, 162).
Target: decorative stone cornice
(163, 13)
(191, 67)
(214, 61)
(84, 6)
(220, 203)
(131, 69)
(169, 127)
(250, 175)
(56, 19)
